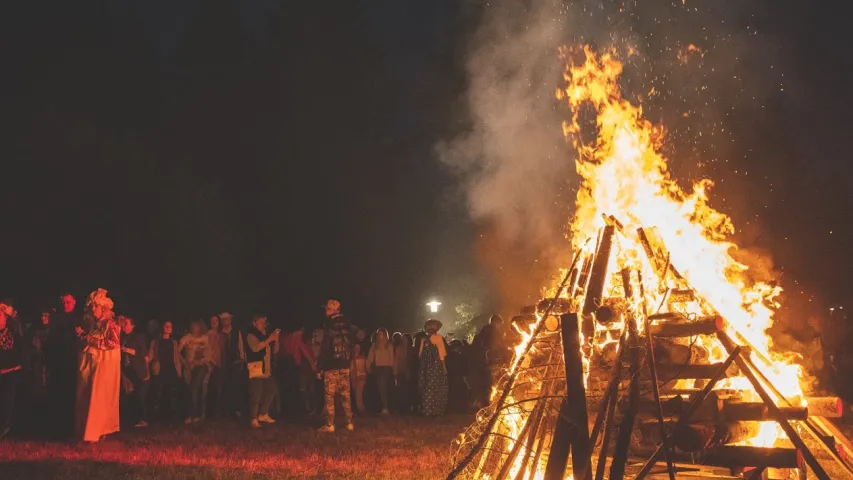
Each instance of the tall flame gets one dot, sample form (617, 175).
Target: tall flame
(624, 174)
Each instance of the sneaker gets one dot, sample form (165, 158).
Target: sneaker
(141, 424)
(255, 424)
(196, 419)
(326, 429)
(350, 427)
(385, 411)
(266, 419)
(188, 421)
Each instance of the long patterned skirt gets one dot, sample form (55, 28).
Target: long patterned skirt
(432, 382)
(98, 390)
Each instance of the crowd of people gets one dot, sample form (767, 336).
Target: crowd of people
(84, 375)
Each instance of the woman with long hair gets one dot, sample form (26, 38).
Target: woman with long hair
(432, 377)
(99, 372)
(380, 361)
(402, 371)
(166, 371)
(198, 364)
(358, 369)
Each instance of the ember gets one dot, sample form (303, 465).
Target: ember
(670, 330)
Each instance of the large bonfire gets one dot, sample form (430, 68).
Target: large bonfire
(668, 258)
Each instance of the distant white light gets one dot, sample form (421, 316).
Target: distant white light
(433, 306)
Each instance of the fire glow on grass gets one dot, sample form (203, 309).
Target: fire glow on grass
(625, 177)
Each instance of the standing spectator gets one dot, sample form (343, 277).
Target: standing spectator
(166, 371)
(315, 385)
(432, 378)
(262, 387)
(216, 341)
(402, 372)
(457, 371)
(234, 385)
(153, 330)
(11, 365)
(335, 357)
(61, 355)
(380, 361)
(40, 379)
(99, 381)
(198, 361)
(305, 364)
(358, 369)
(135, 369)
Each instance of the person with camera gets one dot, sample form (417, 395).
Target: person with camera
(262, 387)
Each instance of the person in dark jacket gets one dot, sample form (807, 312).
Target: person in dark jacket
(64, 343)
(11, 366)
(336, 353)
(134, 367)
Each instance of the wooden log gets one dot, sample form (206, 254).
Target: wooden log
(673, 372)
(743, 456)
(701, 326)
(827, 407)
(598, 272)
(695, 437)
(669, 352)
(677, 295)
(583, 278)
(558, 306)
(758, 412)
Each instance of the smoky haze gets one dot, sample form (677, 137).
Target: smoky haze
(512, 159)
(701, 69)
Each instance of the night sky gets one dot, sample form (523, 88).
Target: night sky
(194, 156)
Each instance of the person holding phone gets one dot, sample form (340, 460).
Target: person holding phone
(262, 387)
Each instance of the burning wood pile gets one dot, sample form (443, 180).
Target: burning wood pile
(650, 355)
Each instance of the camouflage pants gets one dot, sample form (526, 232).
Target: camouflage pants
(337, 382)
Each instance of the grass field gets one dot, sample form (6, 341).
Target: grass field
(379, 448)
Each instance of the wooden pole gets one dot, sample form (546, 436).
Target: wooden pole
(597, 278)
(655, 388)
(620, 454)
(572, 431)
(795, 438)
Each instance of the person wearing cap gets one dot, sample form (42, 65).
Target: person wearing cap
(432, 377)
(336, 353)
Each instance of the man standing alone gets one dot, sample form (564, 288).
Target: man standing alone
(334, 364)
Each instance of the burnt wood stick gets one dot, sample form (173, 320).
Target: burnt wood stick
(598, 272)
(611, 392)
(685, 417)
(701, 326)
(795, 438)
(654, 259)
(572, 430)
(612, 401)
(654, 374)
(583, 278)
(536, 417)
(620, 454)
(695, 437)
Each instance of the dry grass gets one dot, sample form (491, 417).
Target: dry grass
(379, 448)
